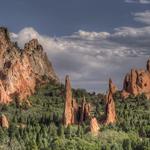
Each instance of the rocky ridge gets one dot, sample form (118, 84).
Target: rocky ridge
(21, 71)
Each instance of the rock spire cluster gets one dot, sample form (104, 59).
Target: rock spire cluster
(137, 82)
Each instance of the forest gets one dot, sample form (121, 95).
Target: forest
(39, 126)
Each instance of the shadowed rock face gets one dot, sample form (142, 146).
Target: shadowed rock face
(110, 108)
(21, 71)
(94, 126)
(137, 82)
(4, 121)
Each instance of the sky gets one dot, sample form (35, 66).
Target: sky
(91, 40)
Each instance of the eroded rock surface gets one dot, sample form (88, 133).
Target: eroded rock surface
(21, 71)
(137, 82)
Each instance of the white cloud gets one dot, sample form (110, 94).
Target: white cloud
(90, 57)
(143, 17)
(138, 1)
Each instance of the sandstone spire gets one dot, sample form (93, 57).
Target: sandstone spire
(4, 121)
(85, 110)
(110, 108)
(68, 103)
(94, 126)
(112, 86)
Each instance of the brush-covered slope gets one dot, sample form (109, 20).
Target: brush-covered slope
(40, 127)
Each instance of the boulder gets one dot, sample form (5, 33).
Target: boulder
(4, 121)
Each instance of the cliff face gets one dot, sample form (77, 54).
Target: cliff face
(137, 82)
(21, 71)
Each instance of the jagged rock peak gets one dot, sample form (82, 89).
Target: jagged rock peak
(4, 35)
(112, 86)
(137, 82)
(33, 45)
(4, 121)
(21, 71)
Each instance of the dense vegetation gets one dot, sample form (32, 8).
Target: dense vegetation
(39, 127)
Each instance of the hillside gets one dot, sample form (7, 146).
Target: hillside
(40, 126)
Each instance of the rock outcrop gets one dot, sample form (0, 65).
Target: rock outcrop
(137, 82)
(68, 111)
(110, 108)
(94, 126)
(4, 121)
(74, 113)
(21, 71)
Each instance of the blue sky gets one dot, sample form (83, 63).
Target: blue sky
(63, 17)
(91, 40)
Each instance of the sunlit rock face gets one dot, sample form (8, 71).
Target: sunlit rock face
(21, 71)
(110, 108)
(137, 82)
(4, 121)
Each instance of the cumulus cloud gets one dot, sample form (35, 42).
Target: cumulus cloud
(138, 1)
(92, 57)
(143, 17)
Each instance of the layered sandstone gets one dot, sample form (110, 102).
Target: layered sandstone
(94, 126)
(137, 82)
(21, 71)
(110, 108)
(4, 121)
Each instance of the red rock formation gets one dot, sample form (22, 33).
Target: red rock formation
(73, 112)
(85, 111)
(68, 114)
(110, 108)
(94, 126)
(112, 86)
(21, 71)
(4, 121)
(137, 82)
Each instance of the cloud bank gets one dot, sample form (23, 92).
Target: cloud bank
(138, 1)
(90, 58)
